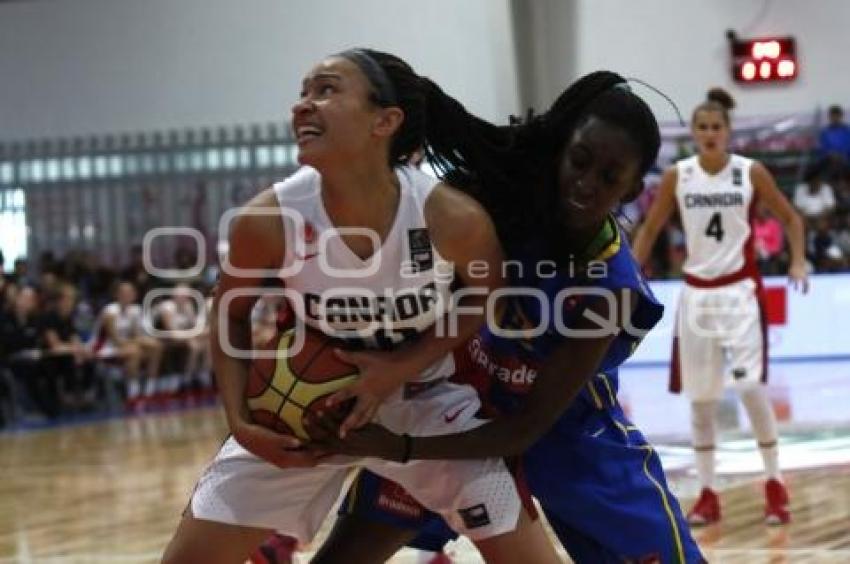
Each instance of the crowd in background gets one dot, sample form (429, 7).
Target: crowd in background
(74, 337)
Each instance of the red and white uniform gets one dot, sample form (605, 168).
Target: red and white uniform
(720, 331)
(403, 292)
(128, 324)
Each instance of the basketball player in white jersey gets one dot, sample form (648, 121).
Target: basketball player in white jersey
(361, 114)
(720, 326)
(179, 314)
(121, 334)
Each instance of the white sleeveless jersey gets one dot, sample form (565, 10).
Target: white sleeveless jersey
(716, 213)
(128, 320)
(376, 303)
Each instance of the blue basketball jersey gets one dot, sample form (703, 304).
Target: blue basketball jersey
(544, 302)
(599, 482)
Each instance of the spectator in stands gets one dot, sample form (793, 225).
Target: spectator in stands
(823, 249)
(842, 192)
(834, 141)
(20, 333)
(47, 262)
(180, 314)
(20, 272)
(136, 272)
(769, 241)
(48, 286)
(101, 280)
(814, 198)
(7, 299)
(184, 259)
(264, 319)
(123, 337)
(66, 356)
(842, 236)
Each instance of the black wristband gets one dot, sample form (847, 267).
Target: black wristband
(408, 447)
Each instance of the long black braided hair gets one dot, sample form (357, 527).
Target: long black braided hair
(510, 169)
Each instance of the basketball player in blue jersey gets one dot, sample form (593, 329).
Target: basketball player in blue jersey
(720, 312)
(552, 384)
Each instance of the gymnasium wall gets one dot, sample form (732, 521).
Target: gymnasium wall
(96, 66)
(680, 47)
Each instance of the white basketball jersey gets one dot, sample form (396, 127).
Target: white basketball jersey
(128, 320)
(379, 302)
(716, 211)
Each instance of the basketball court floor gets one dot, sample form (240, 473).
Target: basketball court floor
(111, 490)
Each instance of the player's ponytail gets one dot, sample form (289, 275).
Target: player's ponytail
(482, 159)
(717, 100)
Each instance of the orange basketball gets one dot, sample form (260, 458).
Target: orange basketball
(281, 389)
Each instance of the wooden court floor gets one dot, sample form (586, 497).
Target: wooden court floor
(112, 491)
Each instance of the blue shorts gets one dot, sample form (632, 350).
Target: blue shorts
(599, 482)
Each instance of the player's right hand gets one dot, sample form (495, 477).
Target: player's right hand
(798, 277)
(284, 451)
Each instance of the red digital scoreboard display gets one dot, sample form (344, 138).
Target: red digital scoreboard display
(764, 60)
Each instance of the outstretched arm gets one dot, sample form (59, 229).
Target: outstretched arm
(659, 213)
(558, 382)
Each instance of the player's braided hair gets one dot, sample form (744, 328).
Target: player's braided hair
(512, 170)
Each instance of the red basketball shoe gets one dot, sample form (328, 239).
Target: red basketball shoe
(706, 510)
(776, 503)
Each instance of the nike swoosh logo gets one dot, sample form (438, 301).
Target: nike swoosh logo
(453, 416)
(308, 256)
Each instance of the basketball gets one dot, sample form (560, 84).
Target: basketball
(281, 389)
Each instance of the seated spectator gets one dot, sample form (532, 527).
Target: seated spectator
(264, 318)
(180, 316)
(4, 282)
(814, 198)
(122, 335)
(842, 237)
(20, 333)
(834, 142)
(20, 272)
(65, 354)
(842, 193)
(769, 241)
(823, 249)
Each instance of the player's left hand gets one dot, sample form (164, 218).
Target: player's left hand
(381, 374)
(798, 277)
(369, 440)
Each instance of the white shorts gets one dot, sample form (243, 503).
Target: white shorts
(477, 497)
(721, 340)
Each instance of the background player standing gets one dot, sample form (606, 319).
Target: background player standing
(720, 314)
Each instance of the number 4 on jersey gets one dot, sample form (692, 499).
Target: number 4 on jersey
(715, 227)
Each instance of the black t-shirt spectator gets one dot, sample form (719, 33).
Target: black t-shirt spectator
(63, 326)
(16, 336)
